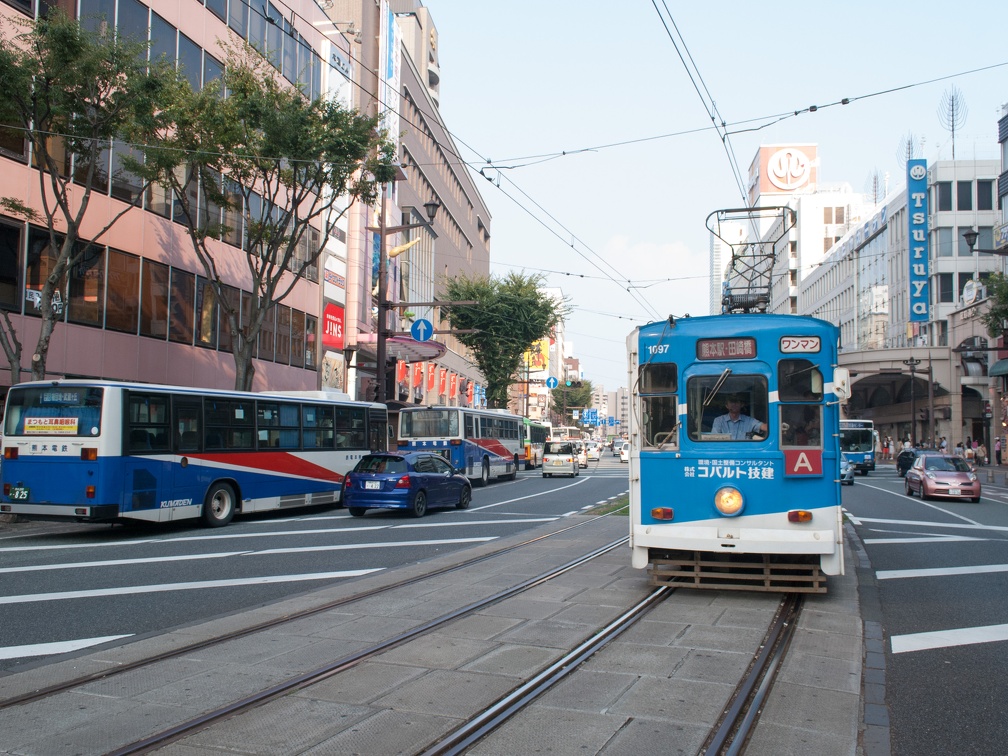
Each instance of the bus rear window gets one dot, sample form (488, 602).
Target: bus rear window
(53, 411)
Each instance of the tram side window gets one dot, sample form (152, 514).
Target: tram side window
(801, 425)
(727, 407)
(799, 380)
(658, 385)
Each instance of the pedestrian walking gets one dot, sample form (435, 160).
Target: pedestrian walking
(981, 455)
(997, 450)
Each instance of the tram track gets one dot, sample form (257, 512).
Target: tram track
(222, 638)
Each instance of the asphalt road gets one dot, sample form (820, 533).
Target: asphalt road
(69, 587)
(941, 572)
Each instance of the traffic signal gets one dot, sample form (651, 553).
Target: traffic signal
(573, 384)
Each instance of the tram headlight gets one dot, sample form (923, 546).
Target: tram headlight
(728, 501)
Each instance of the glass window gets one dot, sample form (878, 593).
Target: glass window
(257, 28)
(944, 245)
(229, 423)
(290, 55)
(311, 328)
(86, 299)
(297, 349)
(154, 299)
(97, 15)
(122, 305)
(801, 425)
(985, 195)
(41, 261)
(231, 232)
(10, 266)
(126, 185)
(75, 410)
(100, 175)
(13, 143)
(190, 58)
(180, 322)
(206, 314)
(238, 15)
(735, 410)
(659, 422)
(944, 189)
(799, 380)
(213, 69)
(274, 35)
(839, 217)
(148, 426)
(985, 237)
(318, 430)
(964, 195)
(232, 298)
(267, 336)
(283, 338)
(278, 425)
(964, 248)
(162, 38)
(946, 292)
(132, 21)
(218, 8)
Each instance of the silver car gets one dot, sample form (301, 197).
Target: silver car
(846, 471)
(560, 458)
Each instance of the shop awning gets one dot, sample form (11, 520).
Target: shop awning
(999, 368)
(403, 347)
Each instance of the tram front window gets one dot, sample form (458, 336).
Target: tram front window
(722, 408)
(658, 384)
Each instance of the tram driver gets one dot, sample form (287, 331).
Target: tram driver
(733, 423)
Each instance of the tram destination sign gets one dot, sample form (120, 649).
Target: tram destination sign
(738, 348)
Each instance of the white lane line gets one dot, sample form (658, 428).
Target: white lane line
(126, 590)
(121, 562)
(932, 524)
(530, 496)
(461, 523)
(390, 544)
(979, 569)
(59, 647)
(298, 550)
(921, 539)
(965, 636)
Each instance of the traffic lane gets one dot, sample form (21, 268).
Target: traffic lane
(184, 576)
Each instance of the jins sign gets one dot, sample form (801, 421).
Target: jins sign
(917, 216)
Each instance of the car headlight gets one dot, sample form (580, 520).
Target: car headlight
(973, 478)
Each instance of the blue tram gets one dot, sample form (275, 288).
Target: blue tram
(734, 463)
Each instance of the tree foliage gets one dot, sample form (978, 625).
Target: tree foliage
(511, 313)
(71, 92)
(281, 164)
(564, 399)
(996, 316)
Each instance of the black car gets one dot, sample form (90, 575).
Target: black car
(905, 460)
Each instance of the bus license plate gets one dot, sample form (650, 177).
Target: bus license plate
(372, 485)
(19, 493)
(953, 492)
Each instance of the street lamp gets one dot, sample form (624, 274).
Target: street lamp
(383, 230)
(912, 363)
(971, 239)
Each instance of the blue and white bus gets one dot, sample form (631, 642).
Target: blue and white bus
(97, 451)
(857, 442)
(483, 443)
(734, 451)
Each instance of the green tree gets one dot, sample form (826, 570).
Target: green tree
(997, 297)
(566, 398)
(74, 94)
(512, 312)
(281, 167)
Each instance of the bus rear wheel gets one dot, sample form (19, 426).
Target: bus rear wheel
(484, 473)
(219, 506)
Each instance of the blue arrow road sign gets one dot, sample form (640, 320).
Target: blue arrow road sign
(422, 329)
(552, 383)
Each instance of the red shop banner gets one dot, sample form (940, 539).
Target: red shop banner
(470, 391)
(401, 372)
(453, 386)
(443, 383)
(431, 374)
(418, 368)
(332, 327)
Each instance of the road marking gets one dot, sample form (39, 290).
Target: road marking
(60, 647)
(355, 546)
(930, 524)
(530, 496)
(920, 539)
(120, 562)
(965, 636)
(127, 590)
(977, 569)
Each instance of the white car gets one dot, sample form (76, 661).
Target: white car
(582, 453)
(560, 458)
(624, 452)
(594, 451)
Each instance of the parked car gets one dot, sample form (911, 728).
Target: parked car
(905, 460)
(624, 452)
(560, 458)
(942, 476)
(581, 452)
(412, 481)
(846, 471)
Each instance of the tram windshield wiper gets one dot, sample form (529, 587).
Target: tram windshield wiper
(717, 387)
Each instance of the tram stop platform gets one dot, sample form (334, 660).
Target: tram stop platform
(657, 689)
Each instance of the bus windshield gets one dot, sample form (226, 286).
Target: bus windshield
(428, 422)
(856, 439)
(54, 411)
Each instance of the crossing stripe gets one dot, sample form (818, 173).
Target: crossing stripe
(977, 569)
(60, 647)
(965, 636)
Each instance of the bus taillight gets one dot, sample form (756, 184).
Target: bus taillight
(89, 492)
(662, 513)
(89, 454)
(799, 515)
(456, 442)
(11, 452)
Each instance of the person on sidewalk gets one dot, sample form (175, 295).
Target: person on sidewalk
(997, 449)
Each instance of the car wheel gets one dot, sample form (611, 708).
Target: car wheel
(577, 470)
(219, 505)
(419, 504)
(464, 498)
(975, 499)
(484, 473)
(906, 487)
(547, 475)
(357, 511)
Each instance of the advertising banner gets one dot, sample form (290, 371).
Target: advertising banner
(917, 219)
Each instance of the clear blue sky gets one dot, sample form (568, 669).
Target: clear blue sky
(523, 82)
